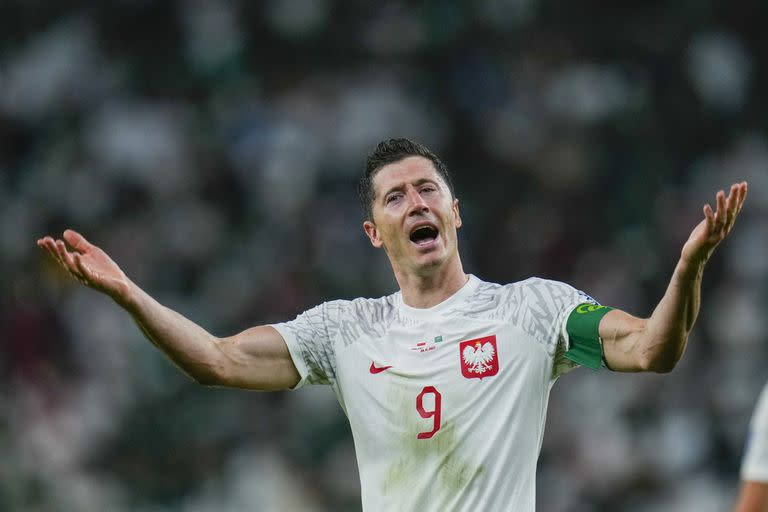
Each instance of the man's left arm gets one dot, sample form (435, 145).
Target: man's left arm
(632, 344)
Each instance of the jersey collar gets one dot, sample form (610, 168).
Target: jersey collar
(447, 305)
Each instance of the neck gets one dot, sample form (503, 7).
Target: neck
(427, 289)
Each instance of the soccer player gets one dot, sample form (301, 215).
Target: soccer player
(753, 496)
(446, 382)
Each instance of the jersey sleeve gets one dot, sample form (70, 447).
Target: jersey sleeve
(310, 339)
(754, 466)
(555, 301)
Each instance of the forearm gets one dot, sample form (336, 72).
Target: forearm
(753, 497)
(257, 358)
(666, 331)
(660, 341)
(189, 346)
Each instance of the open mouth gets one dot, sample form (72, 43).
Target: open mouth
(423, 235)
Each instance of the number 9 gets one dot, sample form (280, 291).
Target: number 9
(434, 414)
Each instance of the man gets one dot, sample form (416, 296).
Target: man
(446, 382)
(754, 470)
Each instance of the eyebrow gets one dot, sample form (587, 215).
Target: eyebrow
(416, 183)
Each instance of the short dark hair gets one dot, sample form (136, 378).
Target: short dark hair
(388, 152)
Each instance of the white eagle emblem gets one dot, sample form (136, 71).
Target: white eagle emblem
(478, 358)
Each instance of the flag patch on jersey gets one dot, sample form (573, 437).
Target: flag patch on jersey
(423, 346)
(479, 357)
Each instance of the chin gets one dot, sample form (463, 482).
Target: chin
(429, 263)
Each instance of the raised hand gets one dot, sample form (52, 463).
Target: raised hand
(716, 225)
(87, 263)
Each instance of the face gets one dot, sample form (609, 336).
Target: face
(414, 217)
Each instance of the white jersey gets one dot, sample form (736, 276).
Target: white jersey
(446, 404)
(754, 468)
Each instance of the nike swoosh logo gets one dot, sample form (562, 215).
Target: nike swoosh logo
(376, 369)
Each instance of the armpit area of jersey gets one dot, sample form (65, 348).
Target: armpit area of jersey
(584, 344)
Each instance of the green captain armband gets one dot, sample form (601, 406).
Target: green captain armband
(585, 347)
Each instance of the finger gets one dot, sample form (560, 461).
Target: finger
(61, 250)
(743, 193)
(54, 250)
(76, 240)
(66, 256)
(739, 193)
(82, 272)
(720, 213)
(708, 213)
(720, 201)
(41, 242)
(732, 200)
(729, 210)
(50, 246)
(710, 216)
(51, 253)
(732, 207)
(66, 259)
(83, 269)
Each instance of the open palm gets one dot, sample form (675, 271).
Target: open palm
(716, 225)
(86, 262)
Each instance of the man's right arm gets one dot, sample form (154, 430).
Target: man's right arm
(257, 358)
(753, 497)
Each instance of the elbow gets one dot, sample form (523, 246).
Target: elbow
(208, 376)
(663, 358)
(206, 379)
(212, 368)
(660, 365)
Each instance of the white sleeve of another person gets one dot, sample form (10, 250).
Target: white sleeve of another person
(754, 467)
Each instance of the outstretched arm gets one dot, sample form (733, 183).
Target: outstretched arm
(656, 344)
(256, 358)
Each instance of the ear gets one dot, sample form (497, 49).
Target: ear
(373, 234)
(456, 216)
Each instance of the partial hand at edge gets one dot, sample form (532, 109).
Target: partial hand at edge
(87, 263)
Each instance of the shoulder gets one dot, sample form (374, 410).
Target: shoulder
(349, 320)
(342, 311)
(511, 299)
(536, 298)
(539, 289)
(361, 308)
(541, 283)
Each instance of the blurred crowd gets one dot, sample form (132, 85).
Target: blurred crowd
(212, 148)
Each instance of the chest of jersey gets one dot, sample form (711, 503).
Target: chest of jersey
(443, 399)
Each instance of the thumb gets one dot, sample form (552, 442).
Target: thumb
(76, 240)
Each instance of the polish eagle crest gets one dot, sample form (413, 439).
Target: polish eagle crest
(479, 357)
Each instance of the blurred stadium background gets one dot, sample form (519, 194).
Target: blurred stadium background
(211, 147)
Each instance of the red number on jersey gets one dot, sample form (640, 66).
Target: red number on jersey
(434, 413)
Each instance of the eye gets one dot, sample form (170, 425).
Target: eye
(393, 197)
(428, 189)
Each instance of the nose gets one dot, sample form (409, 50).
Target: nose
(417, 203)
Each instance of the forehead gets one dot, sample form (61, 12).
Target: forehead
(407, 170)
